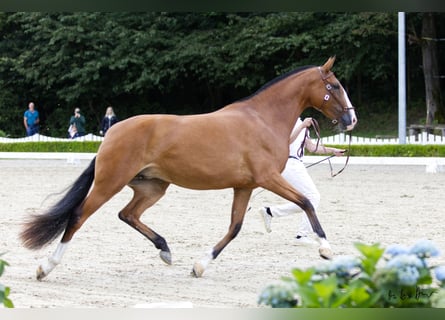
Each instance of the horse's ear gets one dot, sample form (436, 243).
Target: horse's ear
(328, 65)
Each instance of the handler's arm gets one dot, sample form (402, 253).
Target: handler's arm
(320, 149)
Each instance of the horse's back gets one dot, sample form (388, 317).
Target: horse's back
(207, 151)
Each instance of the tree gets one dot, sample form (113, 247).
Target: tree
(435, 110)
(181, 63)
(431, 69)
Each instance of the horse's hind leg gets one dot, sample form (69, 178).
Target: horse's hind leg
(98, 196)
(146, 193)
(239, 206)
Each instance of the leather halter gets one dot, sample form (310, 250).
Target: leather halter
(327, 96)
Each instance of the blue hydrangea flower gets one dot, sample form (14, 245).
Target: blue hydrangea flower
(345, 263)
(408, 276)
(439, 272)
(424, 249)
(280, 295)
(341, 265)
(406, 266)
(405, 260)
(324, 267)
(396, 249)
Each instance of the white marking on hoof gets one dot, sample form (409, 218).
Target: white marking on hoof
(326, 253)
(40, 274)
(47, 266)
(199, 267)
(166, 257)
(325, 249)
(197, 270)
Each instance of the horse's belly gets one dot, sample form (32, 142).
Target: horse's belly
(203, 176)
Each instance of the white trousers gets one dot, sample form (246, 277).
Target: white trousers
(296, 174)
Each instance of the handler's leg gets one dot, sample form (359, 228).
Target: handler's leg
(277, 184)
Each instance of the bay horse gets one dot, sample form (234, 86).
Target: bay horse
(242, 146)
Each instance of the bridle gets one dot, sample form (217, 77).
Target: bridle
(316, 127)
(317, 133)
(327, 96)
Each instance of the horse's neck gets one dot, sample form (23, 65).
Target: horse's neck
(283, 103)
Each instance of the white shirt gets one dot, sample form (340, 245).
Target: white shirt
(294, 147)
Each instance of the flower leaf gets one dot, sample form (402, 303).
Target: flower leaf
(303, 276)
(325, 289)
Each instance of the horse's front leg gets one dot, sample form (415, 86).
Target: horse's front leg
(239, 206)
(278, 185)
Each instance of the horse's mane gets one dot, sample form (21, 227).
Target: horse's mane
(277, 79)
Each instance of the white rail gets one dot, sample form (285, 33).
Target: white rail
(422, 139)
(341, 138)
(41, 138)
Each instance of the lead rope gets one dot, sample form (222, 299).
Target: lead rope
(301, 151)
(347, 159)
(317, 132)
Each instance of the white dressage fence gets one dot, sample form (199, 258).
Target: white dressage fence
(41, 138)
(422, 138)
(433, 164)
(341, 138)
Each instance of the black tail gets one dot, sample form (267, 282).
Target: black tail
(42, 229)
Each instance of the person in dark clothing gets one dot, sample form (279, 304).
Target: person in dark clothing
(108, 120)
(78, 121)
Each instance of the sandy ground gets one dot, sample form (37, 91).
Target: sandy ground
(110, 265)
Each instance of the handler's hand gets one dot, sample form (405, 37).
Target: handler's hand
(307, 122)
(339, 152)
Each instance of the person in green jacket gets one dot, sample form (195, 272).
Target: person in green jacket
(78, 120)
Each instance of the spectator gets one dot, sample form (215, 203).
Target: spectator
(31, 120)
(108, 120)
(79, 121)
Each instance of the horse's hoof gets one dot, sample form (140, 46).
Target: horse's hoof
(166, 257)
(326, 253)
(40, 274)
(198, 270)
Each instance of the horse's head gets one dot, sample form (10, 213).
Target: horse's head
(332, 100)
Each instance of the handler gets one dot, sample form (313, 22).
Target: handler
(296, 174)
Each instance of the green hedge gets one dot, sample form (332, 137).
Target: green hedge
(62, 146)
(407, 150)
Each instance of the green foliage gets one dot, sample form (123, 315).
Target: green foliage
(395, 277)
(56, 146)
(152, 62)
(4, 291)
(407, 150)
(394, 150)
